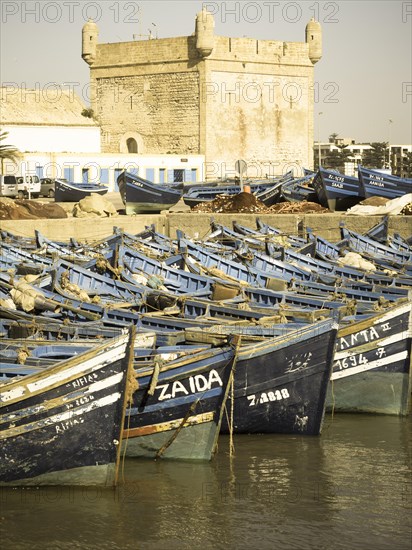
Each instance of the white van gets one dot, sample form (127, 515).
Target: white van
(8, 186)
(28, 184)
(19, 186)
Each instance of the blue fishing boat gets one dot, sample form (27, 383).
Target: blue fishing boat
(300, 190)
(347, 274)
(233, 238)
(308, 172)
(324, 249)
(380, 231)
(52, 249)
(377, 183)
(280, 384)
(21, 325)
(65, 191)
(68, 278)
(360, 243)
(372, 364)
(265, 272)
(271, 195)
(292, 240)
(26, 243)
(231, 312)
(143, 196)
(17, 255)
(399, 243)
(210, 263)
(337, 191)
(196, 196)
(139, 268)
(267, 191)
(62, 424)
(178, 406)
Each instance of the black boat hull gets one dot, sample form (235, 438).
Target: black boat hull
(62, 425)
(280, 385)
(181, 420)
(68, 192)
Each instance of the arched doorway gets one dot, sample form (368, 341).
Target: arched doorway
(131, 145)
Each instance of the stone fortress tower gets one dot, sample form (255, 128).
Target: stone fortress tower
(225, 98)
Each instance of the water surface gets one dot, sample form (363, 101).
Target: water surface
(350, 488)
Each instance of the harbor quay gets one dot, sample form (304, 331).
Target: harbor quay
(197, 225)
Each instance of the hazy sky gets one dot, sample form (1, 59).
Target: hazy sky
(363, 80)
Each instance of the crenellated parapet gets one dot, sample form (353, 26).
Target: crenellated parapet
(219, 96)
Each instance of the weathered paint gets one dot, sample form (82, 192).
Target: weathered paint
(187, 401)
(67, 430)
(372, 365)
(168, 426)
(194, 442)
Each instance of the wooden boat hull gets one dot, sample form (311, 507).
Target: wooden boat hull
(300, 190)
(62, 424)
(281, 384)
(336, 191)
(362, 244)
(372, 365)
(375, 183)
(172, 279)
(267, 191)
(71, 192)
(141, 196)
(181, 420)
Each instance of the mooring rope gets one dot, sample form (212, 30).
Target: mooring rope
(158, 363)
(191, 410)
(237, 341)
(232, 406)
(132, 385)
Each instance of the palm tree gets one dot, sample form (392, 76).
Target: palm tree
(375, 156)
(336, 159)
(7, 151)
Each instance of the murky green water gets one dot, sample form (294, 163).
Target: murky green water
(348, 489)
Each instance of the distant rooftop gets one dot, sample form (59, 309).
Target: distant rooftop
(42, 107)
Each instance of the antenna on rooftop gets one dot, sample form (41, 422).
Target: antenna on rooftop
(149, 36)
(154, 25)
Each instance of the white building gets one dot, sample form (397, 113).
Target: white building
(54, 123)
(105, 167)
(394, 159)
(56, 140)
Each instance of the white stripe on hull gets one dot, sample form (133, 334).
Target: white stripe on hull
(393, 313)
(398, 337)
(64, 399)
(370, 366)
(61, 417)
(101, 360)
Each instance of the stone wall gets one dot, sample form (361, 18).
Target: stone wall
(162, 108)
(198, 225)
(261, 118)
(249, 98)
